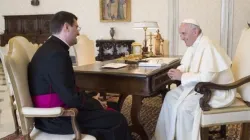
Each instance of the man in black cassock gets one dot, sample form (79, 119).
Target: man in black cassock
(52, 84)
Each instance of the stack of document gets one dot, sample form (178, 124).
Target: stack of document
(114, 65)
(157, 62)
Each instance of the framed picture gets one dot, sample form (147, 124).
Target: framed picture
(115, 10)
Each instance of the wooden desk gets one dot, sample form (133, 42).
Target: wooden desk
(132, 80)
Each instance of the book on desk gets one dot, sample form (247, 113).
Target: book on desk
(157, 62)
(148, 62)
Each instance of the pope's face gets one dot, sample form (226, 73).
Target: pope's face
(187, 34)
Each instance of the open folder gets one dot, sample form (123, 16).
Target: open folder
(157, 62)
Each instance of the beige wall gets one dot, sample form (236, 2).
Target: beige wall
(207, 12)
(208, 19)
(241, 17)
(88, 13)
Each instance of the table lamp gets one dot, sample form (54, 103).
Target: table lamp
(145, 25)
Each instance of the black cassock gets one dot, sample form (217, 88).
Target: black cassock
(51, 71)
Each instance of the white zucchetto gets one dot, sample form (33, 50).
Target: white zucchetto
(191, 21)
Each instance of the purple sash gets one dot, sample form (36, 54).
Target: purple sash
(48, 100)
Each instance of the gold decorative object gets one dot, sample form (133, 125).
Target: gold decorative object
(158, 43)
(136, 48)
(150, 44)
(131, 58)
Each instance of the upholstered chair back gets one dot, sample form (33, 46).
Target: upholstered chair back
(165, 47)
(84, 51)
(36, 45)
(3, 51)
(241, 63)
(16, 62)
(28, 46)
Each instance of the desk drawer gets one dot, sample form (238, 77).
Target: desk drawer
(160, 80)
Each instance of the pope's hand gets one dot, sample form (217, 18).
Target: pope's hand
(174, 74)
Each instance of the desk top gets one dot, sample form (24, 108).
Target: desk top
(130, 70)
(143, 81)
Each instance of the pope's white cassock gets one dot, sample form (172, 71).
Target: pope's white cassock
(180, 113)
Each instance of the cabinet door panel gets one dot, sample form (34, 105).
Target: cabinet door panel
(29, 25)
(42, 38)
(13, 25)
(112, 49)
(30, 37)
(44, 24)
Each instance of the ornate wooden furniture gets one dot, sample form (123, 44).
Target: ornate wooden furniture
(36, 28)
(140, 82)
(239, 111)
(112, 49)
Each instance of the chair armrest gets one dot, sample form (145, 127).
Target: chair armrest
(42, 112)
(73, 113)
(206, 87)
(54, 112)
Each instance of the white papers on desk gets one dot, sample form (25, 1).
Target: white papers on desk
(114, 65)
(157, 62)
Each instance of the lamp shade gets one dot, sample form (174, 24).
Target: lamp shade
(145, 24)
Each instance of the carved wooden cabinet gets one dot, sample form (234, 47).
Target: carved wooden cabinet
(36, 28)
(112, 49)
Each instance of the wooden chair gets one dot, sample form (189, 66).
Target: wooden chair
(30, 49)
(16, 62)
(239, 111)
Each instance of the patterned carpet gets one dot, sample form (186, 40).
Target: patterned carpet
(149, 115)
(150, 112)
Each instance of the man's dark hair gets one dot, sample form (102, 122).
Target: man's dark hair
(59, 19)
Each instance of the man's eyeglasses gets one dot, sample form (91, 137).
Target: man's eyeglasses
(78, 29)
